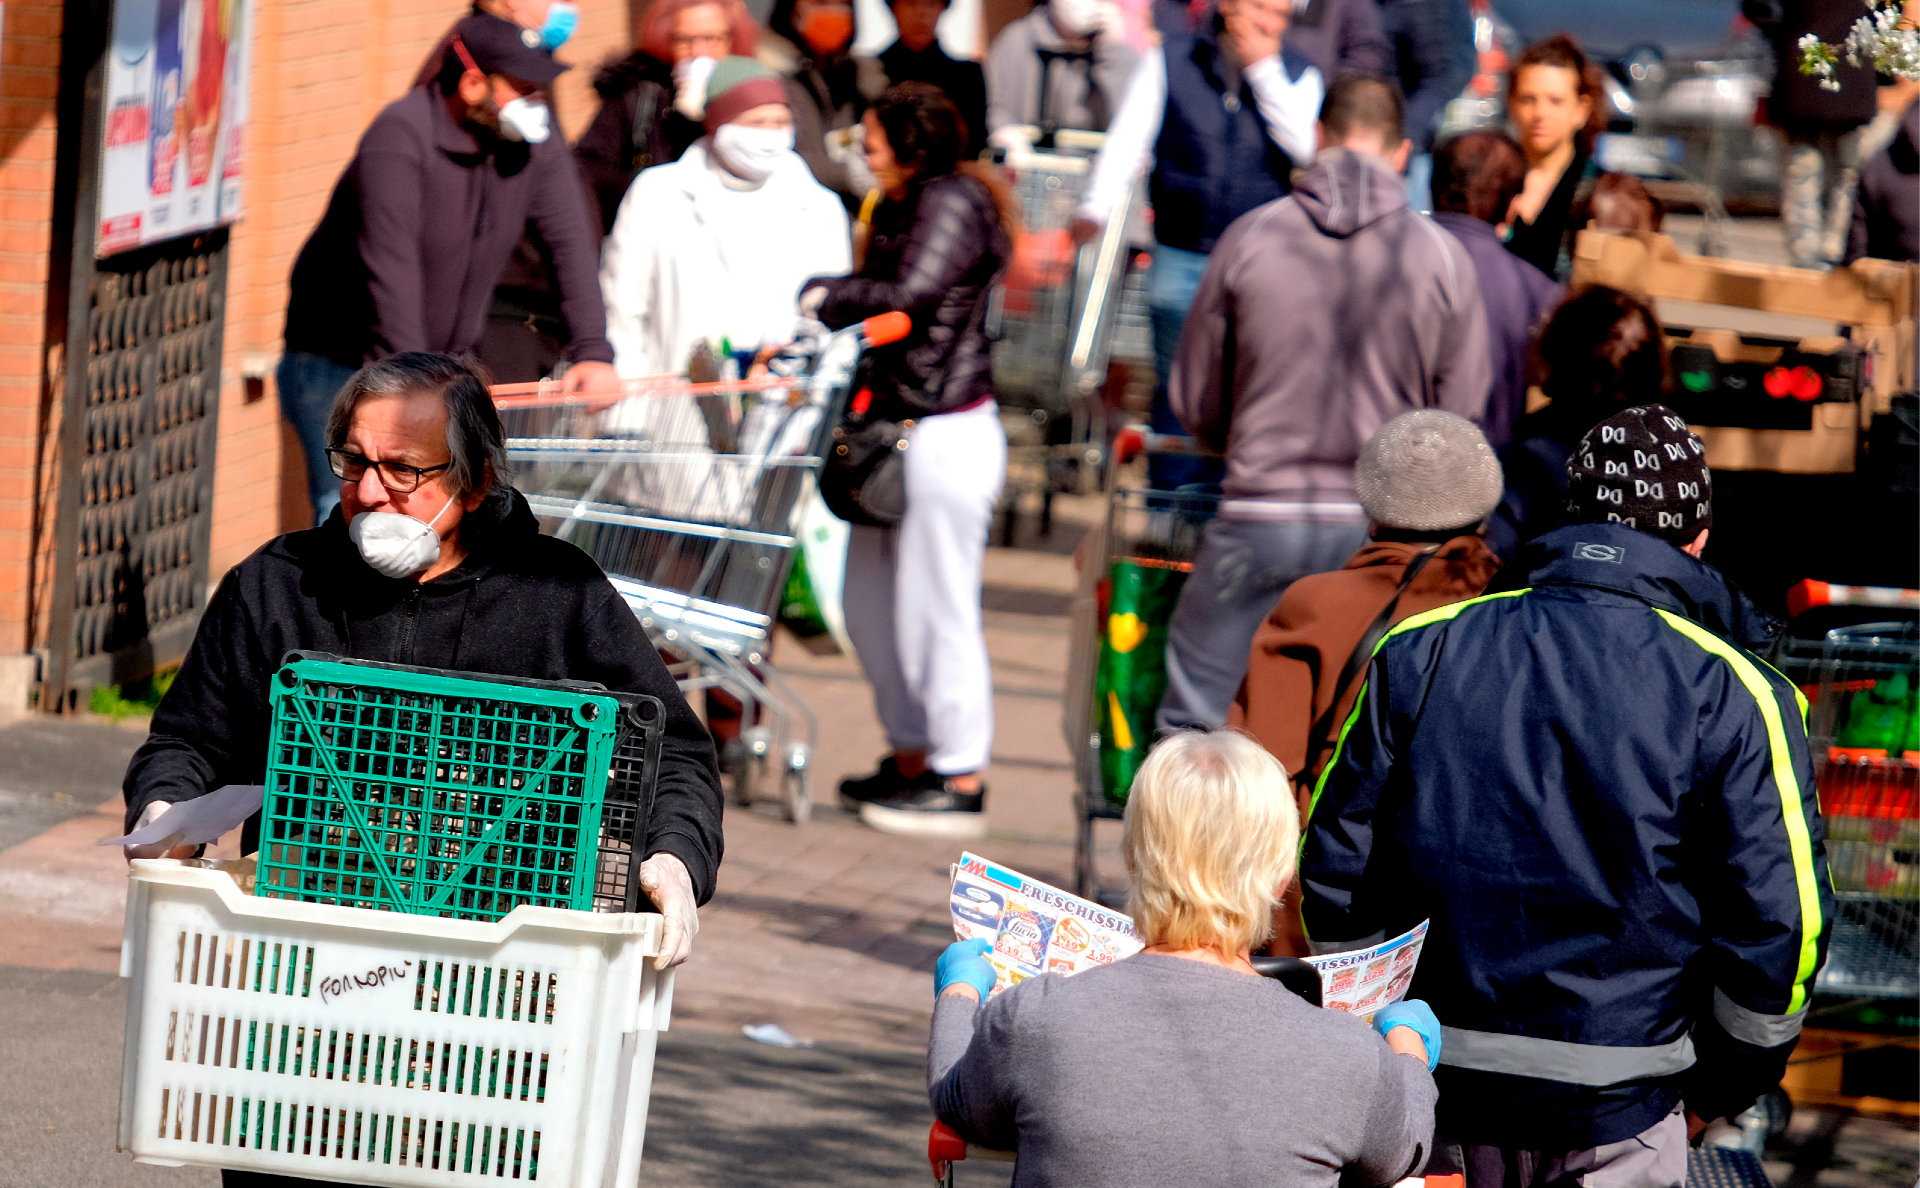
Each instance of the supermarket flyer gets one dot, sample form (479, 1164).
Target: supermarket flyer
(1365, 980)
(1036, 928)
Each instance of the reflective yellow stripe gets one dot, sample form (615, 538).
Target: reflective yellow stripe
(1799, 698)
(1438, 614)
(1798, 842)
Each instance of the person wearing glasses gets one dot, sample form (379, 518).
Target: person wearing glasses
(652, 101)
(422, 223)
(432, 559)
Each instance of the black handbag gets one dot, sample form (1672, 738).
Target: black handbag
(864, 480)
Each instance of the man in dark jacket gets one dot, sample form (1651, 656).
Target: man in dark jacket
(1432, 57)
(422, 223)
(917, 57)
(1321, 317)
(1603, 800)
(1819, 127)
(478, 589)
(1886, 207)
(1223, 114)
(1475, 179)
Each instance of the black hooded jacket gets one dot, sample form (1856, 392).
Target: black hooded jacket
(1603, 799)
(522, 604)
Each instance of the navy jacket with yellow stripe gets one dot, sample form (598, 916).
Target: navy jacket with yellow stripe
(1604, 801)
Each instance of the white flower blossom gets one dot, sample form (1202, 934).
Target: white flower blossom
(1881, 39)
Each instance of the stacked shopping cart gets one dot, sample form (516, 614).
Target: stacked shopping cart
(1864, 725)
(688, 495)
(1065, 311)
(1133, 566)
(440, 977)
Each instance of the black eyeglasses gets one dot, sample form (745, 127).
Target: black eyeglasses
(397, 477)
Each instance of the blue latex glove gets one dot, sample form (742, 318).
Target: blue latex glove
(1417, 1015)
(965, 961)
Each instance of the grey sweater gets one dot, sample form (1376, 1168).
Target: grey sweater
(1322, 316)
(1158, 1070)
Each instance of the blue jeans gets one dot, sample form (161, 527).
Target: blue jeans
(1420, 182)
(1170, 288)
(1243, 568)
(308, 384)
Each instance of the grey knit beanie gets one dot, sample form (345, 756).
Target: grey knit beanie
(1428, 470)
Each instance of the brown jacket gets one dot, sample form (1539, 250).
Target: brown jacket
(1300, 650)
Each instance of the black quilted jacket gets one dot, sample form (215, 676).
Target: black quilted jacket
(933, 255)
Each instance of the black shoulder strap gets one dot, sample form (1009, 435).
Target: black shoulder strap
(1320, 736)
(646, 109)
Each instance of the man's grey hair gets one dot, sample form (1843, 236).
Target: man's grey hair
(474, 439)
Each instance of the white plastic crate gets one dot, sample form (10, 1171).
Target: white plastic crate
(377, 1048)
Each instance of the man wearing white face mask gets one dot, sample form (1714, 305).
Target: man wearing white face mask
(1063, 65)
(716, 245)
(433, 560)
(420, 226)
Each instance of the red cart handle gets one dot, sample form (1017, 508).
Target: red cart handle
(881, 329)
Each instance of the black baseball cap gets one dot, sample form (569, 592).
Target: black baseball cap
(501, 47)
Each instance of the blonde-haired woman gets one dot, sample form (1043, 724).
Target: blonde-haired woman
(1180, 1064)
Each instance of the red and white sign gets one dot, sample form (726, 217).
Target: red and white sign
(176, 111)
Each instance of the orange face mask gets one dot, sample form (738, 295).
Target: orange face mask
(827, 29)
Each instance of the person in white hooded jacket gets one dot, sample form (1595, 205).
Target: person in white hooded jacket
(717, 244)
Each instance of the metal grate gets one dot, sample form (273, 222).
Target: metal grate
(137, 492)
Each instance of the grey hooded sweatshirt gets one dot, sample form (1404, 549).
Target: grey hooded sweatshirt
(1322, 316)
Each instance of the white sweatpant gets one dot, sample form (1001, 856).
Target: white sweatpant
(912, 594)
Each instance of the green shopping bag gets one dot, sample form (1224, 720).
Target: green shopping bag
(799, 609)
(1133, 667)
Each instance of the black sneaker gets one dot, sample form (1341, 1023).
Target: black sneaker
(856, 791)
(930, 807)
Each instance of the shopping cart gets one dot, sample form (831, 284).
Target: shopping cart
(1062, 312)
(1863, 722)
(687, 495)
(1133, 565)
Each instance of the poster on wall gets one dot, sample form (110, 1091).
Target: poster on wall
(176, 117)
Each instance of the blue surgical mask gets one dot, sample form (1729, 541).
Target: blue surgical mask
(562, 19)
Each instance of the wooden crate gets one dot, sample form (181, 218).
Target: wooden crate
(1873, 301)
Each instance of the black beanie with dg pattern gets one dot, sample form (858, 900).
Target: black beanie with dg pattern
(1643, 468)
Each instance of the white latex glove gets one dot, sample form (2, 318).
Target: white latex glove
(665, 880)
(158, 849)
(690, 93)
(811, 301)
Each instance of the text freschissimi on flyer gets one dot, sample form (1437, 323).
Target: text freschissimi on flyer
(1036, 928)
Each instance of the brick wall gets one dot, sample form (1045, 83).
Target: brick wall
(29, 85)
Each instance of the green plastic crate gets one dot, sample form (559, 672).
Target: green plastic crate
(419, 792)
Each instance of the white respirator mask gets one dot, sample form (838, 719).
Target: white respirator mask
(525, 119)
(752, 152)
(395, 545)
